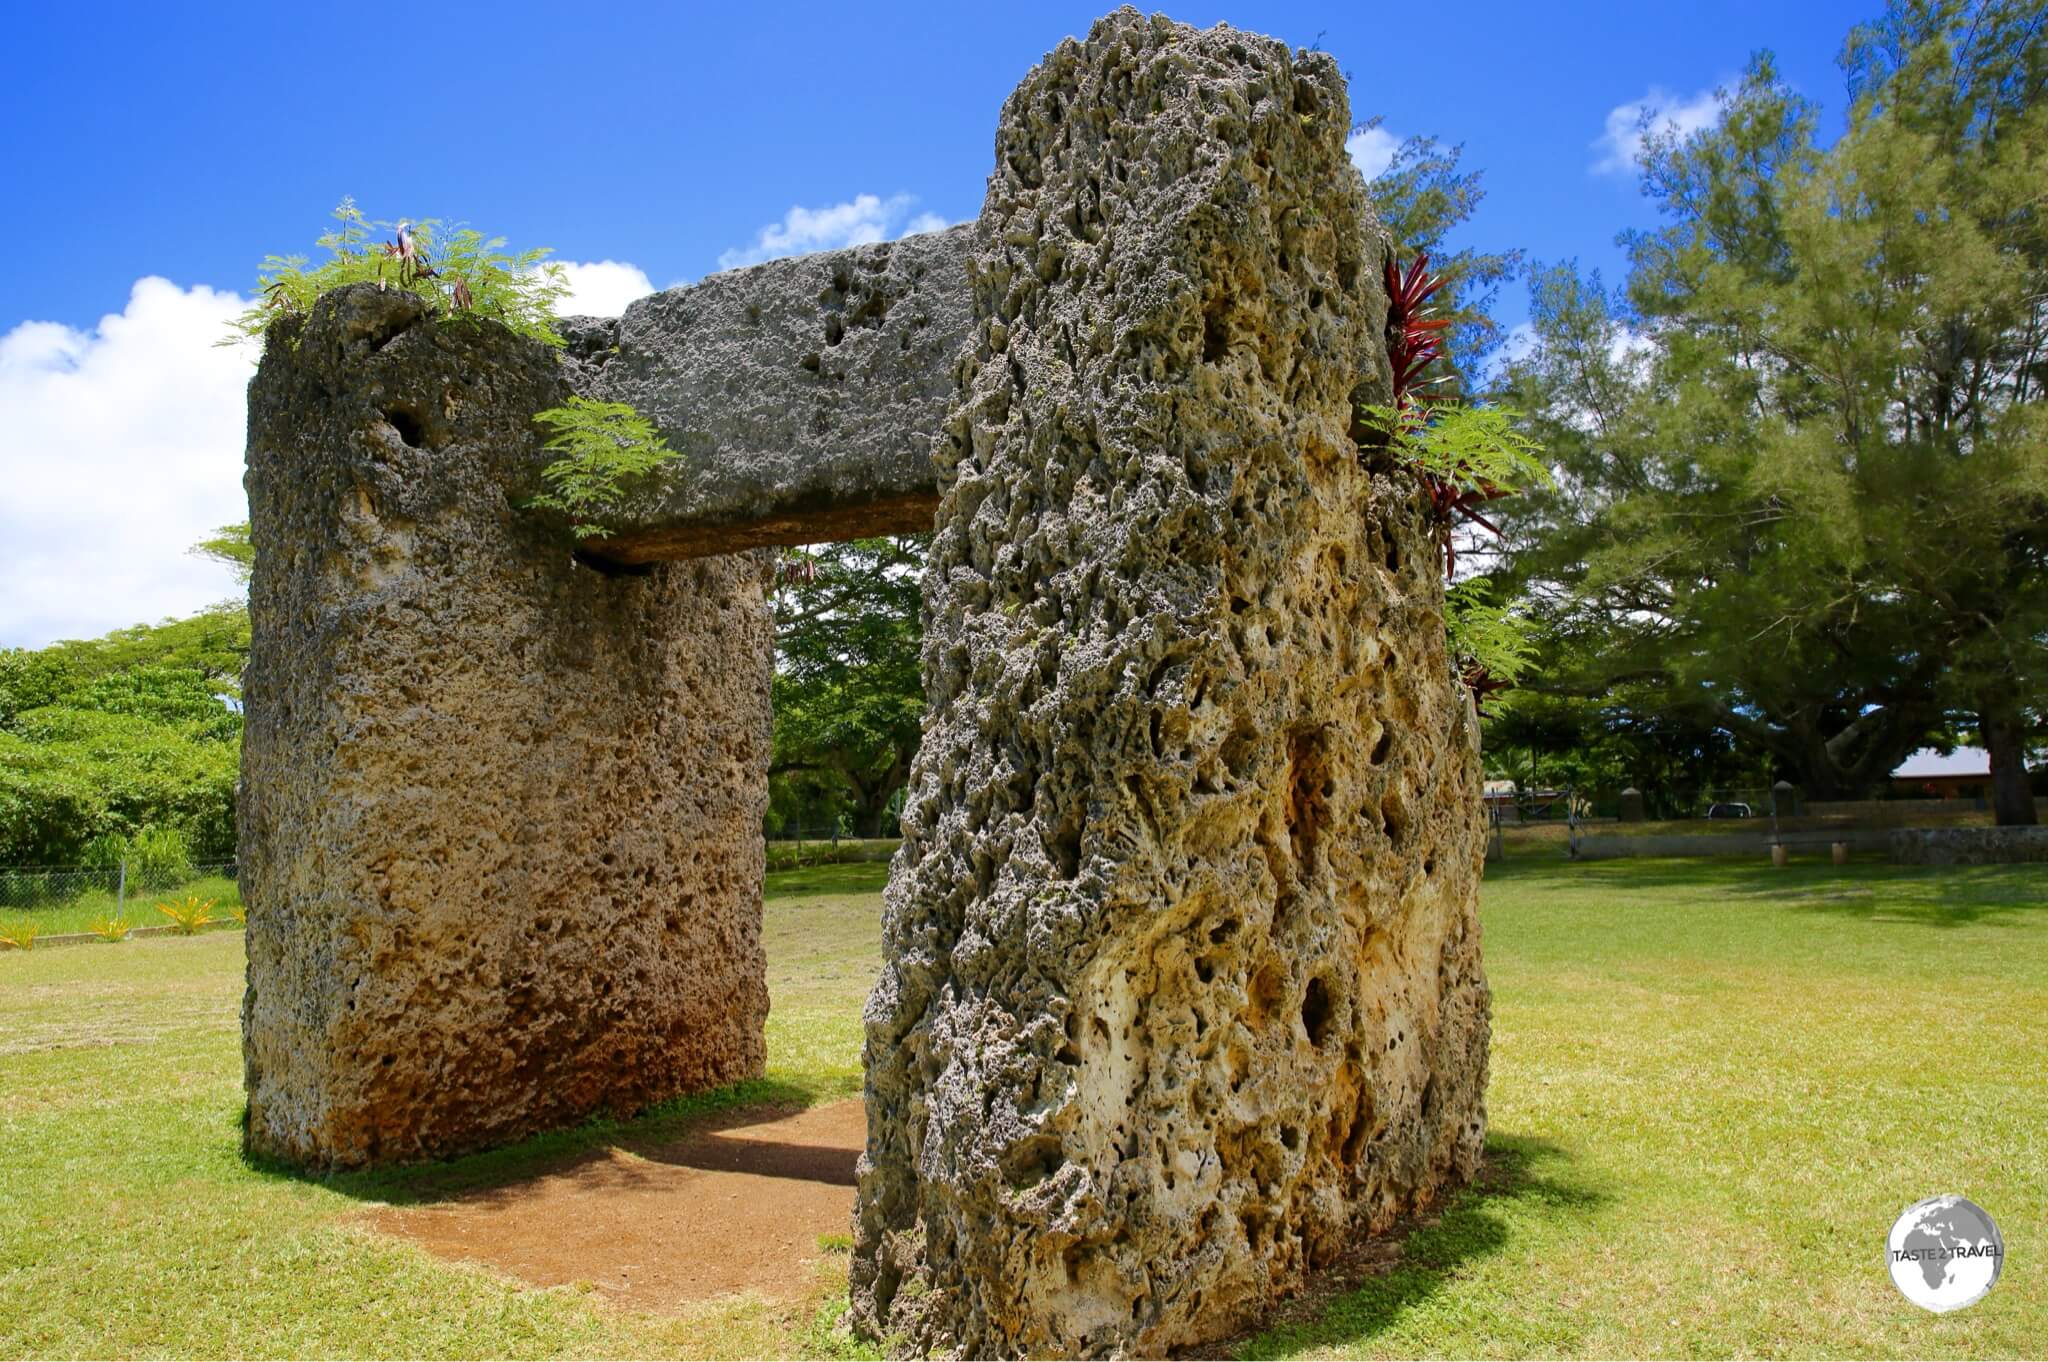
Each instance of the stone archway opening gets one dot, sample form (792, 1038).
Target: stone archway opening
(1182, 978)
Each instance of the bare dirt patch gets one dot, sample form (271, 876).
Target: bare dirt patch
(737, 1205)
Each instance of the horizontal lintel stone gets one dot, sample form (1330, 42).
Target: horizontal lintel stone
(805, 394)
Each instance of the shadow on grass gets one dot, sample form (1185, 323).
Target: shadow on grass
(553, 1151)
(1386, 1279)
(1942, 897)
(861, 877)
(1866, 890)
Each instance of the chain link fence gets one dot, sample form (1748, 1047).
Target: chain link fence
(32, 887)
(62, 899)
(790, 848)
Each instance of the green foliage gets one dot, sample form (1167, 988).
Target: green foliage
(112, 773)
(1465, 446)
(230, 545)
(105, 852)
(1468, 456)
(188, 914)
(159, 857)
(30, 680)
(608, 451)
(176, 696)
(1804, 490)
(103, 738)
(214, 644)
(1497, 640)
(848, 691)
(466, 276)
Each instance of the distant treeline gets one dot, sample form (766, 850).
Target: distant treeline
(125, 741)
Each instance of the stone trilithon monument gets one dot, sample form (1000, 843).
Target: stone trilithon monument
(1182, 983)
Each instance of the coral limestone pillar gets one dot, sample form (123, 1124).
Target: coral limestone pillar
(1183, 980)
(500, 815)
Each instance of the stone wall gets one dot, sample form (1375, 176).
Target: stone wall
(1969, 846)
(1800, 845)
(1896, 811)
(1182, 982)
(500, 813)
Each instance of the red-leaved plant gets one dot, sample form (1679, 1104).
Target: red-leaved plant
(1413, 337)
(1464, 456)
(1414, 340)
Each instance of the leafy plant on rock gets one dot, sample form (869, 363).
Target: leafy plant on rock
(1490, 644)
(1465, 456)
(608, 449)
(461, 272)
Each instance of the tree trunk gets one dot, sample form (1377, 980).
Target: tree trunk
(2004, 735)
(871, 806)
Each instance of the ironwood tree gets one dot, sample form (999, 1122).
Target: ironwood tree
(1803, 460)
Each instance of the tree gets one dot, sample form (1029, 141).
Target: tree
(108, 737)
(1950, 132)
(1423, 196)
(848, 691)
(1667, 587)
(229, 545)
(1803, 486)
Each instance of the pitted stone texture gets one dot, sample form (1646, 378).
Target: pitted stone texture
(1183, 981)
(807, 393)
(500, 814)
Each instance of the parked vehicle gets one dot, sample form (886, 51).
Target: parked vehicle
(1735, 809)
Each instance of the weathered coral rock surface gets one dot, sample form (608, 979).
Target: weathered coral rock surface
(806, 394)
(1183, 981)
(500, 815)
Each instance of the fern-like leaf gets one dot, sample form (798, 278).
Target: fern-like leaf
(608, 449)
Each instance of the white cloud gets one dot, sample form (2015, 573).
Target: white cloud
(1621, 144)
(1519, 343)
(866, 218)
(1630, 349)
(122, 446)
(1372, 150)
(601, 288)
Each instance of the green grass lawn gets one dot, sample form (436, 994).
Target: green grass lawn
(1714, 1085)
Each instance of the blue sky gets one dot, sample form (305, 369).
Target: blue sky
(180, 144)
